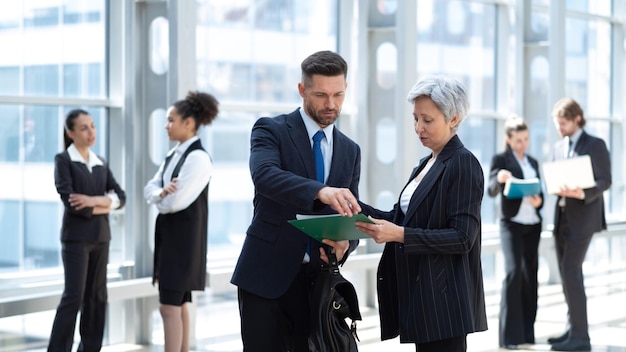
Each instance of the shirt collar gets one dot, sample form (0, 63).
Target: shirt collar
(312, 127)
(180, 148)
(576, 136)
(76, 157)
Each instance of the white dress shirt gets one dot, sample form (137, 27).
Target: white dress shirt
(527, 214)
(193, 177)
(326, 143)
(407, 193)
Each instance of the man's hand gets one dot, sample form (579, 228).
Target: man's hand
(340, 200)
(339, 248)
(576, 193)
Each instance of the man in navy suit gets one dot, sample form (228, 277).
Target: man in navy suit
(278, 261)
(579, 214)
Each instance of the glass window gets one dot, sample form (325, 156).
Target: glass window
(41, 80)
(83, 80)
(10, 253)
(55, 43)
(235, 64)
(458, 38)
(10, 78)
(588, 65)
(10, 132)
(596, 7)
(40, 16)
(41, 240)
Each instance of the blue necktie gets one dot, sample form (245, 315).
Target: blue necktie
(319, 157)
(319, 166)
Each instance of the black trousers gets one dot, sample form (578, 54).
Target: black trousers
(453, 344)
(571, 249)
(277, 325)
(518, 301)
(85, 265)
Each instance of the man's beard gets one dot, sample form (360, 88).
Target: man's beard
(316, 117)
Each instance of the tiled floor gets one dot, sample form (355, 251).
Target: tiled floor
(218, 324)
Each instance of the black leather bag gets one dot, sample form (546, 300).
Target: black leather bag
(333, 299)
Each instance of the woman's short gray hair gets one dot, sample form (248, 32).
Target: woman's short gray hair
(447, 93)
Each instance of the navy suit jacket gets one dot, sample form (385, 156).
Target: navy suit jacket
(431, 286)
(586, 216)
(508, 161)
(282, 167)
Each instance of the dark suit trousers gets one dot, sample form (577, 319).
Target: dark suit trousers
(518, 301)
(85, 265)
(454, 344)
(571, 248)
(280, 324)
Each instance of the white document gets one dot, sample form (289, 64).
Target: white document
(569, 173)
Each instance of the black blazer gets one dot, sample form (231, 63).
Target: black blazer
(587, 215)
(507, 161)
(74, 177)
(283, 172)
(431, 287)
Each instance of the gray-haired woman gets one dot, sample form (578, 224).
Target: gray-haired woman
(430, 289)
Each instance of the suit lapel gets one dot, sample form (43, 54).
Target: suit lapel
(423, 189)
(581, 144)
(300, 138)
(431, 177)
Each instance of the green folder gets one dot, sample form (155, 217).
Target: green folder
(333, 227)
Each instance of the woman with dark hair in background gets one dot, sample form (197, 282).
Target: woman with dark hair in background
(520, 231)
(89, 192)
(179, 190)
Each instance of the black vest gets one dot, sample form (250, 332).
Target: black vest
(181, 240)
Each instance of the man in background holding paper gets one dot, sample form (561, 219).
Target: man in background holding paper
(278, 261)
(520, 231)
(579, 214)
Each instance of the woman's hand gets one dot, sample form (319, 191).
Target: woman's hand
(382, 231)
(80, 201)
(503, 175)
(338, 247)
(535, 200)
(170, 188)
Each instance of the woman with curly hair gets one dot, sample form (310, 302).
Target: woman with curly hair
(179, 190)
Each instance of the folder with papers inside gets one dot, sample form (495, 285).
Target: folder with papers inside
(333, 227)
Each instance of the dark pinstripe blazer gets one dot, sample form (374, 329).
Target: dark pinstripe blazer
(431, 287)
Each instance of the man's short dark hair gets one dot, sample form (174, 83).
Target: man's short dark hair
(325, 63)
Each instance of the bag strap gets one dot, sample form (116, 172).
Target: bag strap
(333, 263)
